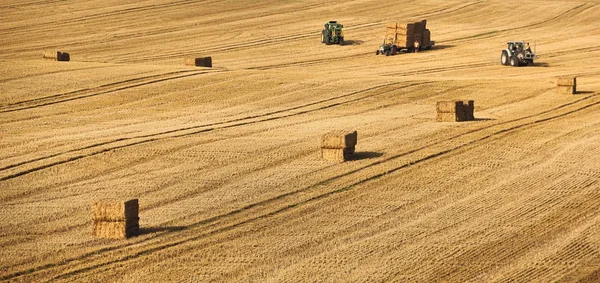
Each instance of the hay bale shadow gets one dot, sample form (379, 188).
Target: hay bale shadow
(483, 119)
(584, 92)
(150, 230)
(352, 42)
(365, 155)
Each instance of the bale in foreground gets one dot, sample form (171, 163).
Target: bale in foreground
(338, 145)
(114, 219)
(199, 62)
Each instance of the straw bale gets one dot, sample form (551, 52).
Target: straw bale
(339, 139)
(469, 110)
(446, 106)
(337, 154)
(566, 81)
(63, 56)
(115, 229)
(110, 210)
(391, 25)
(446, 117)
(50, 54)
(199, 61)
(565, 89)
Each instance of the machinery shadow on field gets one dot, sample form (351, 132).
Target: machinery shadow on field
(150, 230)
(543, 65)
(365, 155)
(441, 47)
(353, 42)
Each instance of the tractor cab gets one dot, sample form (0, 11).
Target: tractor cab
(517, 53)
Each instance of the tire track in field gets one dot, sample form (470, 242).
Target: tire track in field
(99, 90)
(316, 191)
(284, 39)
(198, 129)
(49, 73)
(491, 34)
(440, 69)
(310, 199)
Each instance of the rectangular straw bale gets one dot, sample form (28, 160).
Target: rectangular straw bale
(63, 56)
(445, 117)
(337, 154)
(566, 81)
(565, 89)
(446, 106)
(115, 229)
(199, 61)
(50, 54)
(339, 139)
(469, 110)
(110, 210)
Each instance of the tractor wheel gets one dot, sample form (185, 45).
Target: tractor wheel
(341, 40)
(387, 53)
(514, 61)
(394, 49)
(530, 62)
(377, 52)
(504, 58)
(327, 39)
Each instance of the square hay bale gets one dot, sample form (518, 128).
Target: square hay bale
(446, 106)
(565, 89)
(455, 111)
(445, 117)
(339, 139)
(566, 81)
(56, 55)
(337, 154)
(115, 229)
(199, 62)
(469, 110)
(109, 210)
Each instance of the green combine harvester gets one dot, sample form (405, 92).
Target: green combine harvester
(332, 33)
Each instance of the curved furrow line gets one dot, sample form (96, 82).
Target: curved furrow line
(439, 69)
(319, 190)
(193, 130)
(49, 73)
(491, 34)
(278, 40)
(99, 90)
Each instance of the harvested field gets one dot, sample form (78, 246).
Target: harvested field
(227, 162)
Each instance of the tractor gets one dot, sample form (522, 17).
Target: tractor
(518, 53)
(332, 33)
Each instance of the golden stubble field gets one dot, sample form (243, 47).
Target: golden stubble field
(225, 160)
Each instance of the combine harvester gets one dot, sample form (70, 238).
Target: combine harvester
(410, 37)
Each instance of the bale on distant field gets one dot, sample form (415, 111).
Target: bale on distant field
(455, 111)
(109, 210)
(56, 55)
(337, 154)
(199, 62)
(339, 139)
(566, 81)
(115, 229)
(565, 89)
(445, 117)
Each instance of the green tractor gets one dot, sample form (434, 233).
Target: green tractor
(332, 33)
